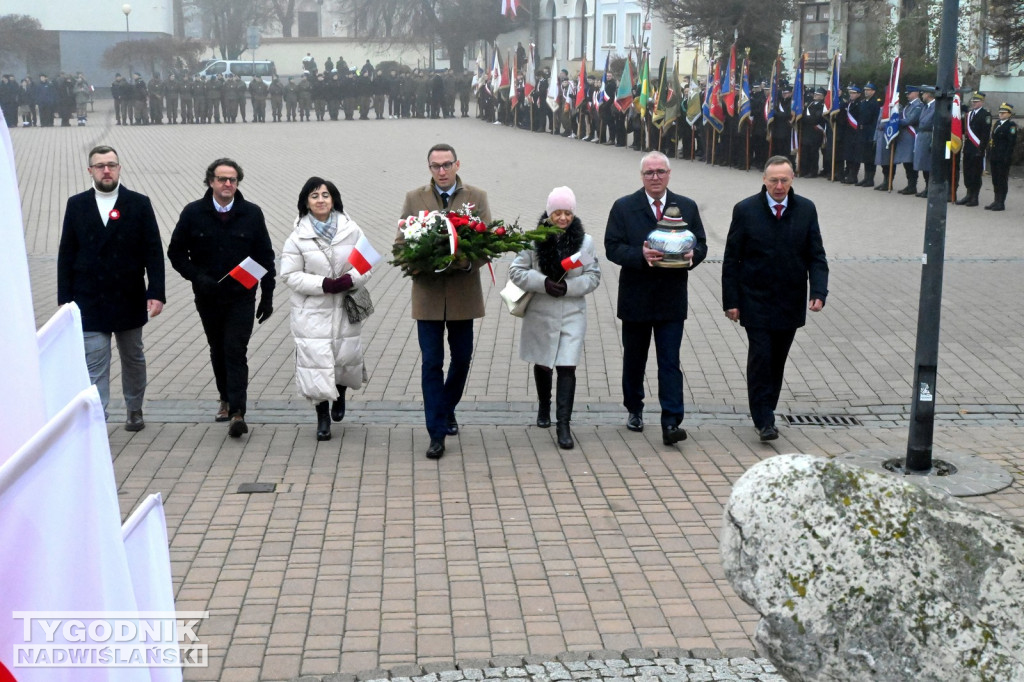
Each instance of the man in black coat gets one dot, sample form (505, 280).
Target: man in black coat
(773, 249)
(109, 246)
(213, 237)
(652, 300)
(977, 128)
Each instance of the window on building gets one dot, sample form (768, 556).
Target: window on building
(609, 29)
(814, 33)
(633, 26)
(308, 24)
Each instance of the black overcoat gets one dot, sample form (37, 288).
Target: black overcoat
(768, 262)
(649, 294)
(104, 268)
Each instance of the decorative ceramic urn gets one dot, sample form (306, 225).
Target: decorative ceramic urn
(673, 239)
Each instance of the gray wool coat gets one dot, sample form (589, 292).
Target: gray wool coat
(553, 328)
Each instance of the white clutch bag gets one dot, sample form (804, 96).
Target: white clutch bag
(515, 299)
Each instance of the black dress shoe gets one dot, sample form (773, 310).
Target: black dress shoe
(670, 435)
(635, 421)
(922, 194)
(884, 187)
(768, 432)
(135, 421)
(436, 449)
(909, 190)
(452, 426)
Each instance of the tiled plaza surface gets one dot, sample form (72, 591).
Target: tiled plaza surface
(370, 557)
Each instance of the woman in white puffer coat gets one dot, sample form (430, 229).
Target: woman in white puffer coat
(315, 266)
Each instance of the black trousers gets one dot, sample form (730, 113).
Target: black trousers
(636, 343)
(228, 326)
(973, 166)
(766, 362)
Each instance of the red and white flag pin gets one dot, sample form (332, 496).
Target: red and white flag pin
(248, 273)
(577, 260)
(363, 256)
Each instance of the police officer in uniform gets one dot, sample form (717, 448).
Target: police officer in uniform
(1000, 153)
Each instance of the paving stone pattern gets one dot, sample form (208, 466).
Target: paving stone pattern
(368, 557)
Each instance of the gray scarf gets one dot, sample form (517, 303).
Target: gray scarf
(325, 230)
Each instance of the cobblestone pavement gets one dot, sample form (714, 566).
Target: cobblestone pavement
(368, 557)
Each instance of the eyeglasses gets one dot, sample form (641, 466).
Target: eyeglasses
(100, 166)
(656, 173)
(446, 166)
(224, 180)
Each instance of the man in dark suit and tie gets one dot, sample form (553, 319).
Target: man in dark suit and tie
(109, 246)
(652, 300)
(773, 249)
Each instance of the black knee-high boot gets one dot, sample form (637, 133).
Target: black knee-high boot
(565, 391)
(323, 421)
(338, 406)
(542, 377)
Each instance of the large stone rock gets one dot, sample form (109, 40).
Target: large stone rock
(860, 576)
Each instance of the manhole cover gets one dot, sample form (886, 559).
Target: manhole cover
(257, 488)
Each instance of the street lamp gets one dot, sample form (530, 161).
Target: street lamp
(127, 9)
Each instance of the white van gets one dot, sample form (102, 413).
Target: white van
(246, 69)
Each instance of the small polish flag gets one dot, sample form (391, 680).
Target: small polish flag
(248, 273)
(577, 260)
(363, 256)
(508, 7)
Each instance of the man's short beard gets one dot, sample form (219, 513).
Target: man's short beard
(99, 185)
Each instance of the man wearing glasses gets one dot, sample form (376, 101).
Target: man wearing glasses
(214, 235)
(652, 299)
(447, 300)
(109, 246)
(773, 250)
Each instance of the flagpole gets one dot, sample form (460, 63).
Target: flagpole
(892, 153)
(835, 139)
(748, 146)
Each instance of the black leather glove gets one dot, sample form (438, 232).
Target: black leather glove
(554, 288)
(336, 285)
(264, 309)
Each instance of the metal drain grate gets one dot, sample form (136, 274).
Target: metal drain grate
(821, 420)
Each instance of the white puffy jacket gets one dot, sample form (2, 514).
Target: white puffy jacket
(328, 348)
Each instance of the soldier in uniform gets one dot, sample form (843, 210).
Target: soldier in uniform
(230, 94)
(812, 135)
(172, 95)
(186, 93)
(141, 101)
(923, 140)
(320, 96)
(291, 99)
(851, 120)
(214, 97)
(305, 91)
(121, 95)
(782, 126)
(156, 100)
(240, 84)
(276, 92)
(332, 93)
(977, 128)
(258, 92)
(911, 116)
(872, 108)
(201, 99)
(1000, 154)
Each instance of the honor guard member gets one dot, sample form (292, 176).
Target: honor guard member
(120, 92)
(258, 92)
(911, 115)
(276, 91)
(156, 100)
(291, 99)
(812, 135)
(872, 109)
(923, 140)
(1000, 153)
(977, 128)
(172, 92)
(851, 119)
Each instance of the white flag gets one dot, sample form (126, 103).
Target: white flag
(23, 409)
(62, 358)
(145, 544)
(552, 94)
(61, 539)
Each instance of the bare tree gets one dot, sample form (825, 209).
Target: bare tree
(226, 21)
(284, 12)
(162, 54)
(453, 23)
(21, 38)
(1006, 27)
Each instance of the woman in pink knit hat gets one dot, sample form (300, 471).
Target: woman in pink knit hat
(560, 271)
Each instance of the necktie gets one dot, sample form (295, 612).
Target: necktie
(657, 209)
(779, 208)
(444, 199)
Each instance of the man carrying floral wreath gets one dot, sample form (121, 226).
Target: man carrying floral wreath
(448, 299)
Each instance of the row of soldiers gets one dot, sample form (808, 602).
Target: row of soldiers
(833, 145)
(319, 95)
